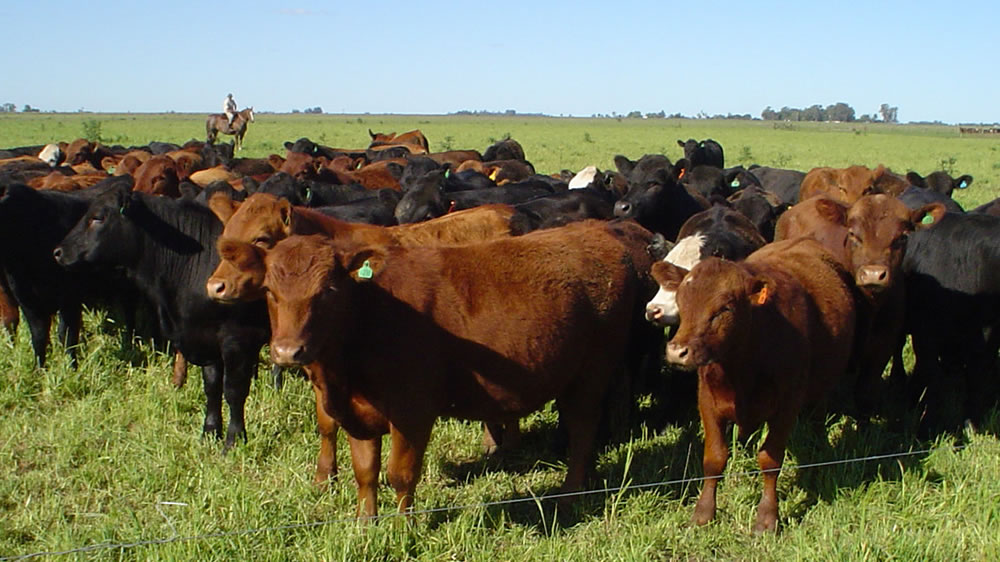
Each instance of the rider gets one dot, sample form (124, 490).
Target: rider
(229, 108)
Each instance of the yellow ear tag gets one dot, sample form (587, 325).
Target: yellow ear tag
(365, 271)
(928, 219)
(493, 175)
(762, 296)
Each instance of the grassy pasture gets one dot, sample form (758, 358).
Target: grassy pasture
(111, 453)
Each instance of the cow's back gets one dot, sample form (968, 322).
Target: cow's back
(829, 288)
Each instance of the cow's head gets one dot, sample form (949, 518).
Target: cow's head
(715, 302)
(105, 235)
(239, 276)
(651, 179)
(940, 181)
(423, 199)
(877, 230)
(309, 283)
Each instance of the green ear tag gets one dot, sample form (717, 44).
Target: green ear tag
(736, 183)
(447, 173)
(121, 209)
(963, 185)
(928, 219)
(309, 194)
(111, 170)
(365, 271)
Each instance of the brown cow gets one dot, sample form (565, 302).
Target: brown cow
(57, 181)
(262, 220)
(488, 331)
(500, 171)
(767, 336)
(414, 138)
(158, 176)
(377, 175)
(847, 185)
(455, 157)
(869, 239)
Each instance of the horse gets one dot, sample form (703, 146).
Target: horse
(217, 123)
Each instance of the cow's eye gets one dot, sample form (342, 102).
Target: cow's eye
(262, 241)
(853, 239)
(96, 221)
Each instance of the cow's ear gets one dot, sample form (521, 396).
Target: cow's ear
(680, 143)
(364, 265)
(668, 274)
(288, 145)
(624, 165)
(680, 169)
(928, 215)
(223, 206)
(962, 182)
(831, 211)
(285, 215)
(761, 292)
(371, 134)
(915, 179)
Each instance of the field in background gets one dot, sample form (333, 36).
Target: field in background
(554, 144)
(111, 454)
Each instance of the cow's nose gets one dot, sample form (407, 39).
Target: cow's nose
(873, 276)
(623, 209)
(216, 289)
(679, 354)
(287, 354)
(654, 312)
(57, 254)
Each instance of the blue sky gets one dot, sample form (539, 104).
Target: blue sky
(934, 61)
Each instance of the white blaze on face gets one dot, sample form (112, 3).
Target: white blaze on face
(51, 155)
(662, 309)
(583, 178)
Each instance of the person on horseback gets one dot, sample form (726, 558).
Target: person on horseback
(229, 108)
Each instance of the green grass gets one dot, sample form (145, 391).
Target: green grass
(112, 453)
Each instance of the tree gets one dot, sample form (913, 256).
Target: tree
(28, 109)
(8, 108)
(769, 114)
(888, 113)
(814, 113)
(840, 111)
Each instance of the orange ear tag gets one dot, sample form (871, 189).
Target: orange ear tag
(681, 175)
(762, 296)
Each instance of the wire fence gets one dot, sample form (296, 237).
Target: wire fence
(499, 503)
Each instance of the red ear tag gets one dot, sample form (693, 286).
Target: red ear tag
(451, 209)
(762, 296)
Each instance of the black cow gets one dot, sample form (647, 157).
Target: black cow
(562, 208)
(783, 183)
(940, 181)
(504, 149)
(655, 197)
(418, 166)
(167, 249)
(378, 209)
(703, 153)
(915, 197)
(760, 206)
(426, 198)
(32, 223)
(953, 312)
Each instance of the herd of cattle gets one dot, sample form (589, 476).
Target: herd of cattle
(410, 285)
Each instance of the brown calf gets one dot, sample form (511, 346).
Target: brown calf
(869, 239)
(414, 139)
(767, 336)
(256, 225)
(847, 185)
(158, 176)
(488, 331)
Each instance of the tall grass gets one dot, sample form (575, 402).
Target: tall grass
(111, 454)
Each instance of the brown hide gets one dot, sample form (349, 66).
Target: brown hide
(767, 336)
(57, 181)
(377, 175)
(263, 220)
(158, 176)
(500, 171)
(415, 140)
(488, 331)
(847, 185)
(455, 157)
(219, 173)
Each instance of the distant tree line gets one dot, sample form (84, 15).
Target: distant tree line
(316, 110)
(11, 108)
(839, 111)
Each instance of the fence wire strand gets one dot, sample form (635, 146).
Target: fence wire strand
(434, 510)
